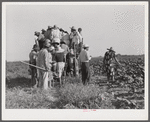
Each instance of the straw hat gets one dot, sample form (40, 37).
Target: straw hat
(111, 49)
(86, 46)
(56, 41)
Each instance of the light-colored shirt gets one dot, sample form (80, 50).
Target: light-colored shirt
(84, 56)
(55, 33)
(43, 59)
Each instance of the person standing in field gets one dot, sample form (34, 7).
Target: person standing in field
(109, 63)
(43, 62)
(59, 58)
(50, 75)
(75, 39)
(84, 59)
(33, 60)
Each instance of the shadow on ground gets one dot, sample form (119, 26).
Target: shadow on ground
(18, 82)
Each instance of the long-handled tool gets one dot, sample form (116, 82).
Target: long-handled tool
(33, 66)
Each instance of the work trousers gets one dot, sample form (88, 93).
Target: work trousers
(85, 72)
(43, 79)
(60, 68)
(33, 76)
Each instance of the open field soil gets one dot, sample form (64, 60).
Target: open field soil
(127, 92)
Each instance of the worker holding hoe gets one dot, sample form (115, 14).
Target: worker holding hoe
(109, 64)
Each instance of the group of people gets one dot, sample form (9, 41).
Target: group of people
(53, 49)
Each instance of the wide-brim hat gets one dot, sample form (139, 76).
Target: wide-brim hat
(86, 46)
(56, 41)
(62, 42)
(111, 49)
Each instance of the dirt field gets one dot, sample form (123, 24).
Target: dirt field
(126, 93)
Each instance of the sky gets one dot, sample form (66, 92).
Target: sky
(119, 26)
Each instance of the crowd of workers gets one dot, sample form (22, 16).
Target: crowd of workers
(56, 52)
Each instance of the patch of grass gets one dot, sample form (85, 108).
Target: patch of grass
(28, 98)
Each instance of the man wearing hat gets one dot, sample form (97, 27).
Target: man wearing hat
(109, 63)
(55, 33)
(33, 59)
(75, 39)
(43, 31)
(84, 59)
(59, 58)
(43, 62)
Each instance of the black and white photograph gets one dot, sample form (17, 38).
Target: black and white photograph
(75, 60)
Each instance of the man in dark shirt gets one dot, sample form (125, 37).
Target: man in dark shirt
(59, 58)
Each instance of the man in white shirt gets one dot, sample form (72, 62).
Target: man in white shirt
(84, 59)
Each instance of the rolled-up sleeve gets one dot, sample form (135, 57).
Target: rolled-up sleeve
(87, 56)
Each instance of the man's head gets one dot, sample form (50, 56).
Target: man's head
(36, 33)
(73, 29)
(79, 30)
(35, 47)
(111, 49)
(47, 43)
(55, 27)
(86, 47)
(43, 31)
